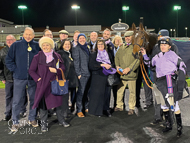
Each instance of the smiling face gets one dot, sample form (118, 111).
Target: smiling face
(46, 47)
(100, 46)
(10, 40)
(48, 34)
(75, 36)
(28, 35)
(164, 47)
(82, 40)
(117, 41)
(67, 46)
(106, 35)
(63, 36)
(128, 39)
(93, 37)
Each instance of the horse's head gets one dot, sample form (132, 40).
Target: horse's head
(140, 39)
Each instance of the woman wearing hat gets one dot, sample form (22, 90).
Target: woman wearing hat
(43, 70)
(99, 64)
(168, 66)
(70, 74)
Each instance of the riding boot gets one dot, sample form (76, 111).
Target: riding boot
(168, 124)
(179, 124)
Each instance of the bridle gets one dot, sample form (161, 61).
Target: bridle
(144, 43)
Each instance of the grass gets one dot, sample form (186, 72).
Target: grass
(188, 82)
(2, 85)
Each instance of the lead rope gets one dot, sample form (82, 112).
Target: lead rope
(142, 68)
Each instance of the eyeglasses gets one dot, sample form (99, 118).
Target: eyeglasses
(49, 35)
(9, 40)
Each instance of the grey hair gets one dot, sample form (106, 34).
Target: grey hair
(11, 36)
(28, 28)
(107, 30)
(94, 32)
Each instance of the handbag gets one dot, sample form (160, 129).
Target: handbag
(60, 87)
(114, 79)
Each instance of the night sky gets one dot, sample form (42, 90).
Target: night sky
(157, 14)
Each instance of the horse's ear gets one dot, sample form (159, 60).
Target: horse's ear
(141, 26)
(133, 27)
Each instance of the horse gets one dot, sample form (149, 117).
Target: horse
(141, 38)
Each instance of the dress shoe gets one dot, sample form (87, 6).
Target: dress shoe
(22, 115)
(131, 112)
(80, 115)
(65, 124)
(118, 109)
(7, 118)
(86, 110)
(107, 113)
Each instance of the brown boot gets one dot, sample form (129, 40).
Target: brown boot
(118, 109)
(80, 115)
(130, 112)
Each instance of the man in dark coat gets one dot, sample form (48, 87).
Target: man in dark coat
(93, 38)
(6, 76)
(81, 60)
(18, 61)
(110, 49)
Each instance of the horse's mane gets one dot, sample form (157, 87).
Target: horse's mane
(153, 38)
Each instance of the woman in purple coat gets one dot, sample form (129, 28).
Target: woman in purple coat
(43, 70)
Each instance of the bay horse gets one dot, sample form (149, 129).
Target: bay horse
(141, 39)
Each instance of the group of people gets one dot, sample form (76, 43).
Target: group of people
(29, 66)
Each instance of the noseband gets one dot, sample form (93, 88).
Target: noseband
(142, 38)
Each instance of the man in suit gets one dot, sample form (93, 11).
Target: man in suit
(110, 48)
(93, 38)
(81, 59)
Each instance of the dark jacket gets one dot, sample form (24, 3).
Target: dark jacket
(58, 45)
(18, 59)
(90, 46)
(110, 49)
(69, 72)
(40, 69)
(81, 60)
(5, 74)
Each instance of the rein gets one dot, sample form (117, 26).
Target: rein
(143, 70)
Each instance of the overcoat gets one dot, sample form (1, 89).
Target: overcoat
(69, 72)
(98, 86)
(40, 69)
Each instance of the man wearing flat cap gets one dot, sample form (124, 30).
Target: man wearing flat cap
(63, 34)
(125, 60)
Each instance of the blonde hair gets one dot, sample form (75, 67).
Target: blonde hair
(117, 37)
(76, 31)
